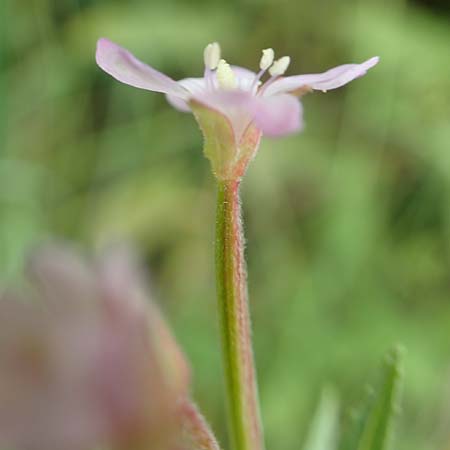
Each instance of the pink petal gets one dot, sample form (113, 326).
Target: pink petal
(274, 116)
(331, 79)
(123, 66)
(245, 77)
(195, 86)
(235, 105)
(278, 115)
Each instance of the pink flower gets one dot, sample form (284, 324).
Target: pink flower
(86, 360)
(233, 95)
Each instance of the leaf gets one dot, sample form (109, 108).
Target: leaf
(324, 428)
(372, 425)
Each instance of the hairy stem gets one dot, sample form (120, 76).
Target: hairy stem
(240, 377)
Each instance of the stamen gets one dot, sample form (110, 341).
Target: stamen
(266, 59)
(280, 66)
(211, 55)
(265, 62)
(225, 76)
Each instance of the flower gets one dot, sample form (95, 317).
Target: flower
(86, 361)
(233, 107)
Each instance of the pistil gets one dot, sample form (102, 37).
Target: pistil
(225, 76)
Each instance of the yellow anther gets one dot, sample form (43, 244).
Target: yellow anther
(211, 55)
(267, 58)
(225, 76)
(280, 66)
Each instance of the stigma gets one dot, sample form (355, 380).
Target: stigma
(225, 76)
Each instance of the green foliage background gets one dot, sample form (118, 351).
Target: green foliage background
(348, 223)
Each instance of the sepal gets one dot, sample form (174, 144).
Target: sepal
(229, 155)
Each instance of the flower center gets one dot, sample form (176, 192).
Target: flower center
(226, 78)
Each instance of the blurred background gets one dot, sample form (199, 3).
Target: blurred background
(348, 223)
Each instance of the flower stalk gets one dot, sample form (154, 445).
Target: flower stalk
(234, 107)
(240, 375)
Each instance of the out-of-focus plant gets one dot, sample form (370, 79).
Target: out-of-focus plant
(87, 362)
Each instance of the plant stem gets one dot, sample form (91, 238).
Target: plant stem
(240, 376)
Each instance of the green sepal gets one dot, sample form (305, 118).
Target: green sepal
(229, 155)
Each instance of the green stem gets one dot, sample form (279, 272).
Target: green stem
(240, 376)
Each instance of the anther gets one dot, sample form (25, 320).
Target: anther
(267, 58)
(280, 66)
(211, 55)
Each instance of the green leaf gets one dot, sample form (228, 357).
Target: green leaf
(372, 424)
(323, 432)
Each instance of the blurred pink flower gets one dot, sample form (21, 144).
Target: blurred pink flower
(86, 360)
(235, 92)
